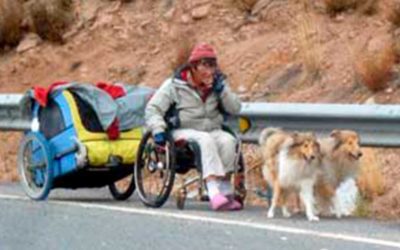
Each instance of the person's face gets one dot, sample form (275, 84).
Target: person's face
(204, 71)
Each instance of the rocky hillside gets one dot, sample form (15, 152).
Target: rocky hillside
(272, 50)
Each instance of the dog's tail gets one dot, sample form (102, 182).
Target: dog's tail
(267, 132)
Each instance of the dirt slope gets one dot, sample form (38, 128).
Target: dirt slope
(283, 52)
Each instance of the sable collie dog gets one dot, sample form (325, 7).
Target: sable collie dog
(340, 157)
(291, 164)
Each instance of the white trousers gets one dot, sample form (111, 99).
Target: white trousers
(218, 150)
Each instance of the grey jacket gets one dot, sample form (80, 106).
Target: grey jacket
(193, 112)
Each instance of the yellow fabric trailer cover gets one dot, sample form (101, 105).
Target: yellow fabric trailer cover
(99, 147)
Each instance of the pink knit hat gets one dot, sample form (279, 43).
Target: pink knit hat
(202, 50)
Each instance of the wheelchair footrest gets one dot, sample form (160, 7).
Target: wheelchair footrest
(204, 198)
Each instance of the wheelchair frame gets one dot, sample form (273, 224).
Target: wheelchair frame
(168, 162)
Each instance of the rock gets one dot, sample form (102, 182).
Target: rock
(155, 51)
(88, 14)
(379, 42)
(242, 89)
(105, 20)
(259, 6)
(168, 15)
(325, 64)
(167, 4)
(145, 23)
(75, 65)
(30, 41)
(195, 3)
(389, 90)
(352, 34)
(185, 19)
(379, 23)
(245, 97)
(247, 5)
(200, 12)
(370, 101)
(126, 74)
(83, 70)
(339, 18)
(286, 78)
(73, 31)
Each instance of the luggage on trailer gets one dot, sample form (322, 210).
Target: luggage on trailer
(81, 136)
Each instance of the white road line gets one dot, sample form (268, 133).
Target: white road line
(180, 215)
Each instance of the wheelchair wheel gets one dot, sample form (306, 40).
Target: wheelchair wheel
(35, 166)
(123, 189)
(155, 171)
(239, 182)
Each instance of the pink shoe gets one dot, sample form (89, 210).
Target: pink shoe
(238, 203)
(219, 202)
(234, 205)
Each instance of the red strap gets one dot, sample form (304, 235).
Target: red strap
(40, 94)
(113, 130)
(113, 90)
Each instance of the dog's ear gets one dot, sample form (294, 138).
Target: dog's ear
(336, 135)
(311, 134)
(297, 139)
(356, 135)
(318, 146)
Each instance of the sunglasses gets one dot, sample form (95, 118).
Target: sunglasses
(208, 62)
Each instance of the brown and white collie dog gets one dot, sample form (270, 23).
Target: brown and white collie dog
(291, 164)
(340, 158)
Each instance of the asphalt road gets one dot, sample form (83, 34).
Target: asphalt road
(90, 219)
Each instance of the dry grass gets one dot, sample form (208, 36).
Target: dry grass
(308, 42)
(396, 46)
(11, 15)
(388, 206)
(333, 7)
(245, 5)
(370, 180)
(363, 207)
(184, 48)
(394, 15)
(368, 7)
(8, 165)
(253, 175)
(374, 70)
(50, 18)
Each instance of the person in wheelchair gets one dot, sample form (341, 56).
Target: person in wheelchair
(200, 96)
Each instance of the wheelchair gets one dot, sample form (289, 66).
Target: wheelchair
(156, 167)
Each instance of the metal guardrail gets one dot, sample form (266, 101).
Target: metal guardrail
(378, 125)
(11, 116)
